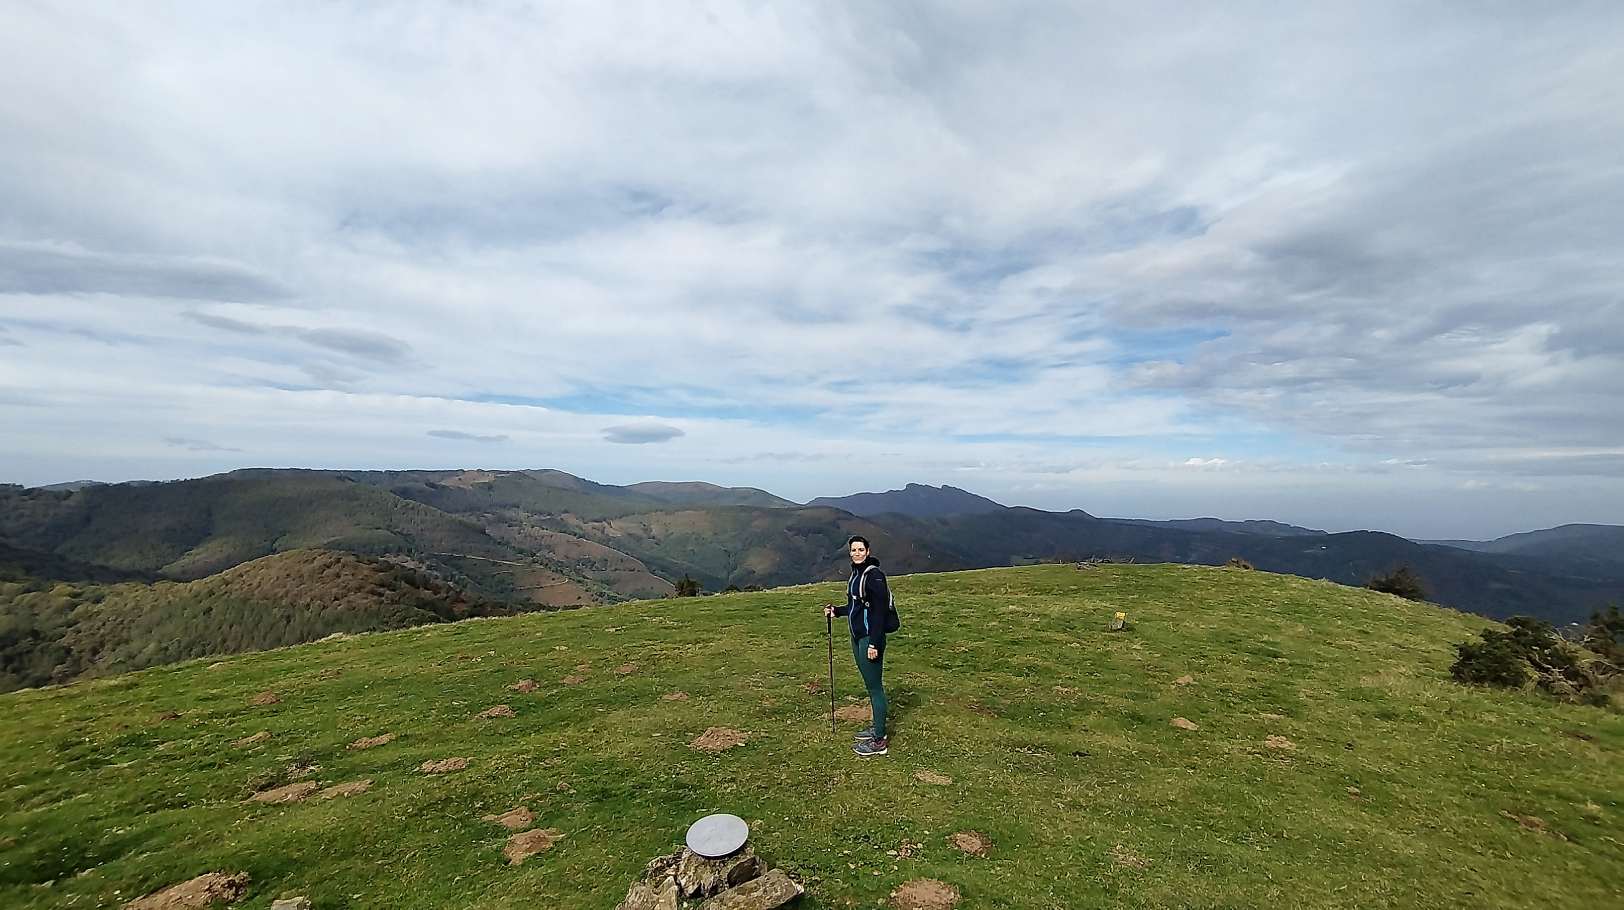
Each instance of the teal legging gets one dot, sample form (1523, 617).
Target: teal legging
(871, 671)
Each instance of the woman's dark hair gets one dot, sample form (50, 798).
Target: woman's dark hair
(858, 538)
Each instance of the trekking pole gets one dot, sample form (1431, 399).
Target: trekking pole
(831, 624)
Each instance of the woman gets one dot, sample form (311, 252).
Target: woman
(868, 602)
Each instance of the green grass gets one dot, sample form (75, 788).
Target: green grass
(102, 801)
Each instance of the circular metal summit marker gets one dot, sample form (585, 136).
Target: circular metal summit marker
(717, 835)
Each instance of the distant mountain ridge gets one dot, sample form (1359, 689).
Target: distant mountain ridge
(916, 500)
(550, 538)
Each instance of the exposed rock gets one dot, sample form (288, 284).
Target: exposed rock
(524, 845)
(972, 842)
(700, 876)
(372, 741)
(931, 777)
(1184, 680)
(292, 903)
(265, 698)
(291, 793)
(352, 788)
(1183, 724)
(774, 889)
(660, 865)
(718, 739)
(254, 740)
(525, 685)
(498, 711)
(209, 888)
(513, 819)
(925, 894)
(658, 894)
(443, 766)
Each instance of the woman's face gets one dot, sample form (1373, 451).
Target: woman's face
(859, 551)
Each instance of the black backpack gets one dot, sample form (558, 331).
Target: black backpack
(892, 621)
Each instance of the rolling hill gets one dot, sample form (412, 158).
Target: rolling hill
(56, 631)
(1251, 740)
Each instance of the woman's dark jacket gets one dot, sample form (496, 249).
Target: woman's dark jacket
(867, 615)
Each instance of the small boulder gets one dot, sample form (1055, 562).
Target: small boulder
(292, 903)
(1183, 724)
(774, 889)
(265, 698)
(702, 876)
(1184, 680)
(659, 894)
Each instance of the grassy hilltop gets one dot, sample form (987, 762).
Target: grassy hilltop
(1015, 715)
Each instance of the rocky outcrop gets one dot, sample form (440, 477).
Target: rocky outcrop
(738, 881)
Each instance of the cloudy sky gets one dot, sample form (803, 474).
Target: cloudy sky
(1349, 266)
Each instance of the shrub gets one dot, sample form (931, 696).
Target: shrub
(1403, 581)
(1235, 562)
(1527, 649)
(687, 587)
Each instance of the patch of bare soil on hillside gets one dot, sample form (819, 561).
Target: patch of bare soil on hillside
(352, 788)
(265, 698)
(513, 819)
(371, 742)
(443, 766)
(925, 894)
(675, 696)
(497, 711)
(525, 685)
(254, 740)
(1122, 856)
(206, 889)
(718, 739)
(854, 713)
(931, 777)
(972, 842)
(291, 793)
(524, 845)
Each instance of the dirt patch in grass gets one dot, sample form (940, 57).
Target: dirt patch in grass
(254, 740)
(972, 842)
(291, 793)
(443, 766)
(1533, 823)
(372, 742)
(1184, 680)
(815, 687)
(1122, 856)
(623, 669)
(931, 777)
(574, 679)
(1184, 724)
(498, 711)
(675, 696)
(854, 713)
(162, 716)
(718, 739)
(925, 894)
(1281, 743)
(265, 698)
(513, 819)
(526, 844)
(525, 685)
(352, 788)
(206, 889)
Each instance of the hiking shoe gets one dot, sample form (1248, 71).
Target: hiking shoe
(871, 747)
(863, 735)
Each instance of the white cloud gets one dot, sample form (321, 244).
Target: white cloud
(1028, 236)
